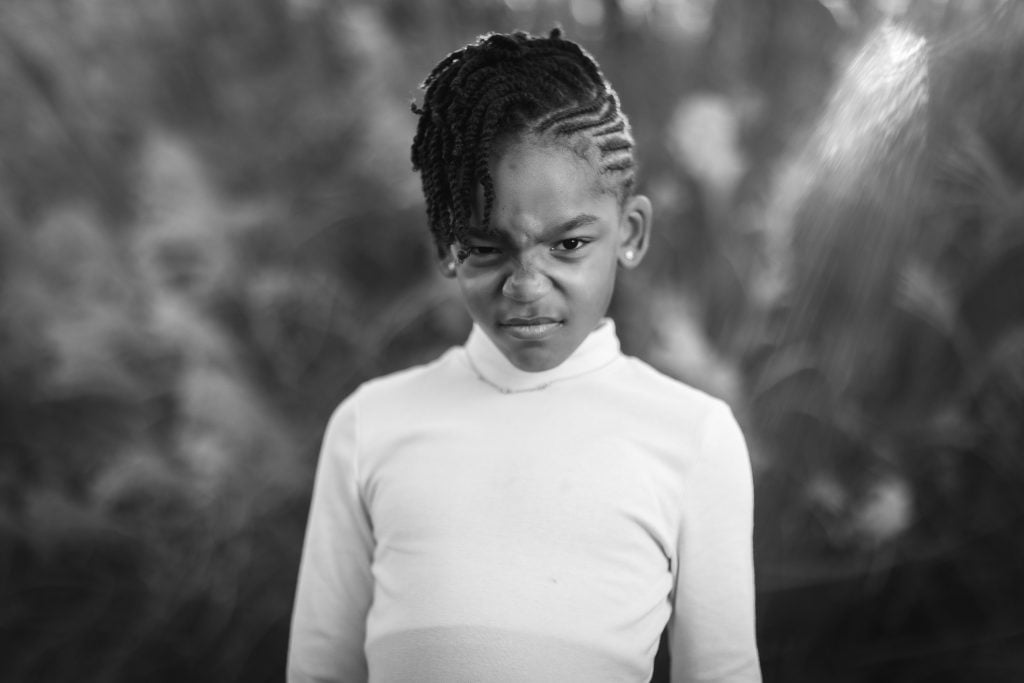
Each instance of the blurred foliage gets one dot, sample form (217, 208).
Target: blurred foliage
(210, 234)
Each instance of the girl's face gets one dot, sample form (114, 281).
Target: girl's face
(541, 279)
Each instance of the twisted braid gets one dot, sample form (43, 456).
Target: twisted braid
(499, 87)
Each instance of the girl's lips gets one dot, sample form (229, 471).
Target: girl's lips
(530, 329)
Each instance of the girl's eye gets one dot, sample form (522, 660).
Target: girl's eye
(477, 251)
(570, 244)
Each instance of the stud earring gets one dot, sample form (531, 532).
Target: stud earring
(629, 254)
(451, 266)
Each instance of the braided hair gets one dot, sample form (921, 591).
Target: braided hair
(506, 85)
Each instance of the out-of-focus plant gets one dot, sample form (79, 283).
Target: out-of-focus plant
(883, 358)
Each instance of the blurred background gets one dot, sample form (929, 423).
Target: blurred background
(210, 233)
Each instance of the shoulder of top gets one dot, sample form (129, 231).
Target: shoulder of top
(407, 379)
(649, 379)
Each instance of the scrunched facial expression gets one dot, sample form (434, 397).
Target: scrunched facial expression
(541, 278)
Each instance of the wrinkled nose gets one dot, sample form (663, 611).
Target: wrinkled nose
(525, 284)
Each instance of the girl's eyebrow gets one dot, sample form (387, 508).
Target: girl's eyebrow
(577, 221)
(573, 223)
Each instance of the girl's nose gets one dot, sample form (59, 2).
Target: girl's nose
(525, 284)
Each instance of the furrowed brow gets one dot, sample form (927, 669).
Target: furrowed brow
(573, 223)
(484, 235)
(497, 235)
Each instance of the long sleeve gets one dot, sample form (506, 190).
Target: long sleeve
(335, 585)
(712, 629)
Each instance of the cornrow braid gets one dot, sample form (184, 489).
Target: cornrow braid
(506, 85)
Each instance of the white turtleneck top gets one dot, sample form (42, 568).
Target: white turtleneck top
(474, 522)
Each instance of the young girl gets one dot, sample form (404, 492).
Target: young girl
(534, 505)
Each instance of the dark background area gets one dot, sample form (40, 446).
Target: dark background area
(210, 233)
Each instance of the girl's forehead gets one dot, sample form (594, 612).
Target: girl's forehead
(567, 161)
(540, 189)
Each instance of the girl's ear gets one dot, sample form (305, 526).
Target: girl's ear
(635, 228)
(446, 263)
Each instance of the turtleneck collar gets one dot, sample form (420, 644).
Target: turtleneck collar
(600, 348)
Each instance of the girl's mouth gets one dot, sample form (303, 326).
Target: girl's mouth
(530, 328)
